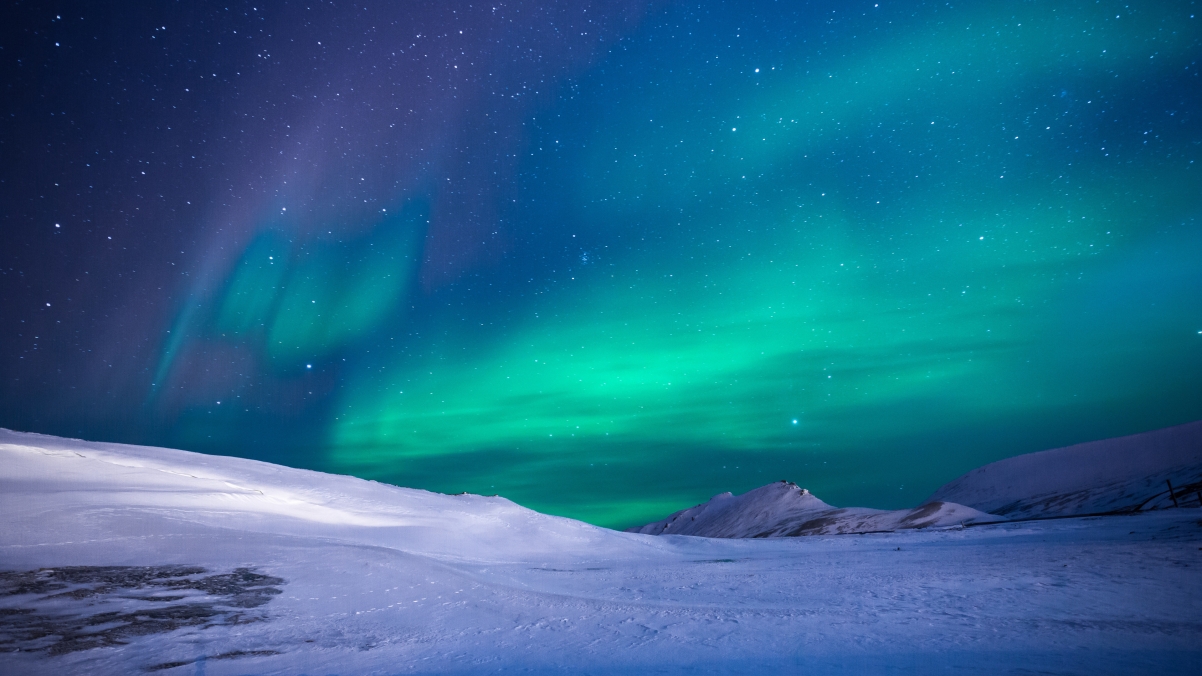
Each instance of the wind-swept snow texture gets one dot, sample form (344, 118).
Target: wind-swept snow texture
(783, 509)
(125, 560)
(1125, 474)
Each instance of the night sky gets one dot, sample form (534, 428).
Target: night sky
(603, 259)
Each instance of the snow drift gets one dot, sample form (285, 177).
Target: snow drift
(1124, 474)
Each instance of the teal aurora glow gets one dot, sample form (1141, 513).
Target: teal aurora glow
(861, 247)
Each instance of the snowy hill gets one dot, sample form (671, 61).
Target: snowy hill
(41, 474)
(1125, 474)
(782, 509)
(121, 559)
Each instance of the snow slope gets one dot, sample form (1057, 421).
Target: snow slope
(235, 492)
(782, 509)
(118, 559)
(1124, 474)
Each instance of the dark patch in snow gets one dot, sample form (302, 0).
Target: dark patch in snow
(245, 653)
(811, 527)
(63, 610)
(166, 665)
(922, 512)
(232, 655)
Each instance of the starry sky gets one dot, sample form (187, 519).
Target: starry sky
(603, 259)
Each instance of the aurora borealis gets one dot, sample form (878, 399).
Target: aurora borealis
(605, 260)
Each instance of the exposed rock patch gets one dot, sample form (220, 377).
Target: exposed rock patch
(63, 610)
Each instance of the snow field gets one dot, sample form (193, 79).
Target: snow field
(382, 580)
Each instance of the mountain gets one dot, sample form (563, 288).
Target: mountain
(1124, 474)
(783, 509)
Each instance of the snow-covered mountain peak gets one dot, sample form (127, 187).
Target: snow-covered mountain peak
(784, 509)
(747, 515)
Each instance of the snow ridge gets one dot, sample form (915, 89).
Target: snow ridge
(1123, 474)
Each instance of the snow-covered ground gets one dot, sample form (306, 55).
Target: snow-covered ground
(123, 559)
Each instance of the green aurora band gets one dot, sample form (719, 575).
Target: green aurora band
(865, 261)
